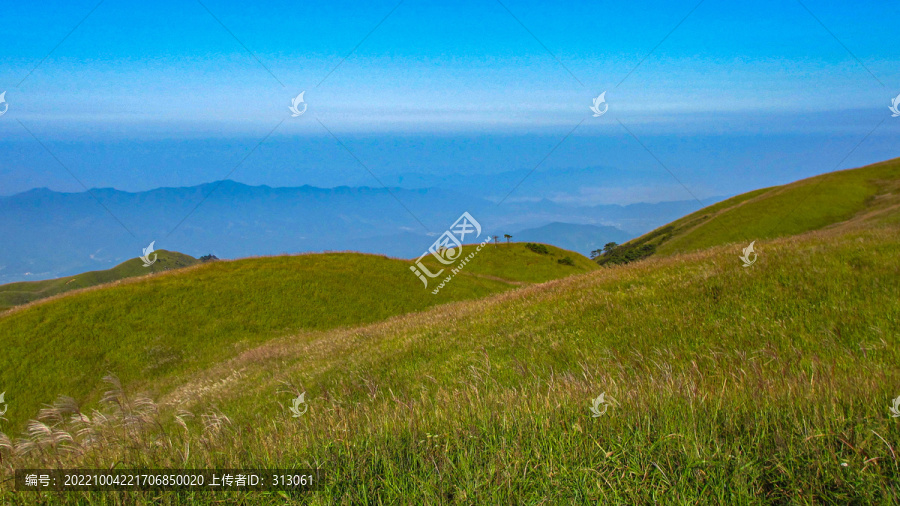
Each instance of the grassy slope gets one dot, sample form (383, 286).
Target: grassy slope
(15, 294)
(805, 205)
(730, 385)
(515, 262)
(161, 328)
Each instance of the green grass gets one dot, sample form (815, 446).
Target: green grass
(515, 262)
(728, 385)
(765, 384)
(780, 211)
(16, 294)
(162, 328)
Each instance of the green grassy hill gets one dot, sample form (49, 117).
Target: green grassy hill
(161, 328)
(15, 294)
(808, 204)
(515, 262)
(723, 384)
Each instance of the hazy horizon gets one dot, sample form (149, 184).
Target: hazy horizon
(704, 99)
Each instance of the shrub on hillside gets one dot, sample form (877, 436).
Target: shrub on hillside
(537, 248)
(635, 250)
(566, 261)
(626, 254)
(208, 258)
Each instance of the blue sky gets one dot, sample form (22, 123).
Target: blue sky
(132, 96)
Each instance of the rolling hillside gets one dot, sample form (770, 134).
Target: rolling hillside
(723, 384)
(808, 204)
(720, 383)
(164, 327)
(515, 262)
(15, 294)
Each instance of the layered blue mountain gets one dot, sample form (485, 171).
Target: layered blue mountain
(46, 234)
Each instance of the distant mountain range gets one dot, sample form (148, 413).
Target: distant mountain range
(46, 234)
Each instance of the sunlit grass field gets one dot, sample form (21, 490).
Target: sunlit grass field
(725, 384)
(15, 294)
(154, 332)
(514, 262)
(781, 211)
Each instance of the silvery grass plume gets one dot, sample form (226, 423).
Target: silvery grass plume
(62, 428)
(47, 436)
(215, 426)
(127, 430)
(180, 419)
